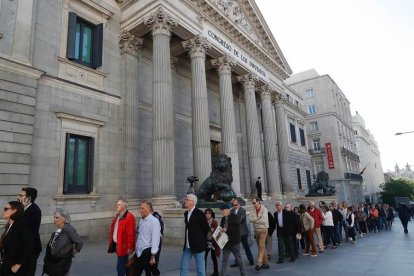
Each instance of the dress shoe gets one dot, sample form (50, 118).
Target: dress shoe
(257, 267)
(265, 266)
(280, 261)
(251, 263)
(234, 265)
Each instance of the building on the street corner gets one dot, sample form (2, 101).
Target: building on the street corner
(330, 133)
(107, 98)
(370, 159)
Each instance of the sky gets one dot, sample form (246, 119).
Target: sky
(367, 47)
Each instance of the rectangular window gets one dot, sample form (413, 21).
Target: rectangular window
(84, 41)
(310, 93)
(316, 144)
(318, 168)
(313, 126)
(308, 178)
(292, 133)
(302, 137)
(312, 109)
(299, 179)
(78, 164)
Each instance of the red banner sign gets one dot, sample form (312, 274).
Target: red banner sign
(329, 155)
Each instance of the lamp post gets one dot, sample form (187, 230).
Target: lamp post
(401, 133)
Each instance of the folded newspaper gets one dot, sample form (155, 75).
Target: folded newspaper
(221, 238)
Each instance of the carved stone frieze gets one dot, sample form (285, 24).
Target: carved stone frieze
(266, 54)
(160, 22)
(224, 64)
(248, 79)
(130, 43)
(197, 46)
(234, 12)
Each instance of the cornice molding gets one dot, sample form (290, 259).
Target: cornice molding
(271, 59)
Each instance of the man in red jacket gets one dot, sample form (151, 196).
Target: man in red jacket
(318, 217)
(122, 236)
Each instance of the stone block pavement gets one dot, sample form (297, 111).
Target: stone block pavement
(376, 254)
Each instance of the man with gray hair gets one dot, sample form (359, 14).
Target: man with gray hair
(195, 242)
(122, 235)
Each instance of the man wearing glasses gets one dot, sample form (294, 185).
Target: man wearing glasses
(195, 243)
(240, 212)
(32, 216)
(260, 221)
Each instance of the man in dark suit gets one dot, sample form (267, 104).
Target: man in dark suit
(32, 217)
(230, 225)
(240, 212)
(285, 225)
(259, 188)
(195, 243)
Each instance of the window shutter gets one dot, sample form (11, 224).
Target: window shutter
(97, 46)
(91, 148)
(70, 53)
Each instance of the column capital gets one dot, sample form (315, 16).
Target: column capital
(248, 79)
(265, 91)
(129, 43)
(160, 23)
(197, 46)
(224, 64)
(278, 98)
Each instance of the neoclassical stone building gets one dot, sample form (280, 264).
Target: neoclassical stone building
(103, 98)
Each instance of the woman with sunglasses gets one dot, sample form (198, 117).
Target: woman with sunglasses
(16, 243)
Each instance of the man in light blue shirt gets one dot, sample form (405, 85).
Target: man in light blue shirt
(148, 241)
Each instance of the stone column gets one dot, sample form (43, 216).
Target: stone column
(252, 128)
(270, 142)
(197, 48)
(228, 122)
(163, 116)
(283, 146)
(130, 46)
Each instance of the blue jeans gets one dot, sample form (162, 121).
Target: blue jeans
(343, 224)
(337, 229)
(185, 262)
(121, 265)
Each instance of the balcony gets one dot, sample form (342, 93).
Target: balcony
(349, 153)
(317, 152)
(354, 176)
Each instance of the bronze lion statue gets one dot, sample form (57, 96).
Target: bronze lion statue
(219, 182)
(321, 183)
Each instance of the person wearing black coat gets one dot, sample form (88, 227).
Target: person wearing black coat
(195, 241)
(32, 216)
(285, 225)
(16, 243)
(230, 225)
(404, 215)
(270, 231)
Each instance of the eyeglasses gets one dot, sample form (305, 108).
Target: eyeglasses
(6, 209)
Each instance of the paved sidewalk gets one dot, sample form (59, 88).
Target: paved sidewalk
(385, 253)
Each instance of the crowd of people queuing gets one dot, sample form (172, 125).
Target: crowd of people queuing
(305, 229)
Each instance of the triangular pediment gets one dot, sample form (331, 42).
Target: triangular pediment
(247, 18)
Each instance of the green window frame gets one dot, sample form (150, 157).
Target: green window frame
(78, 176)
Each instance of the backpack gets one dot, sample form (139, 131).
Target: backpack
(158, 216)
